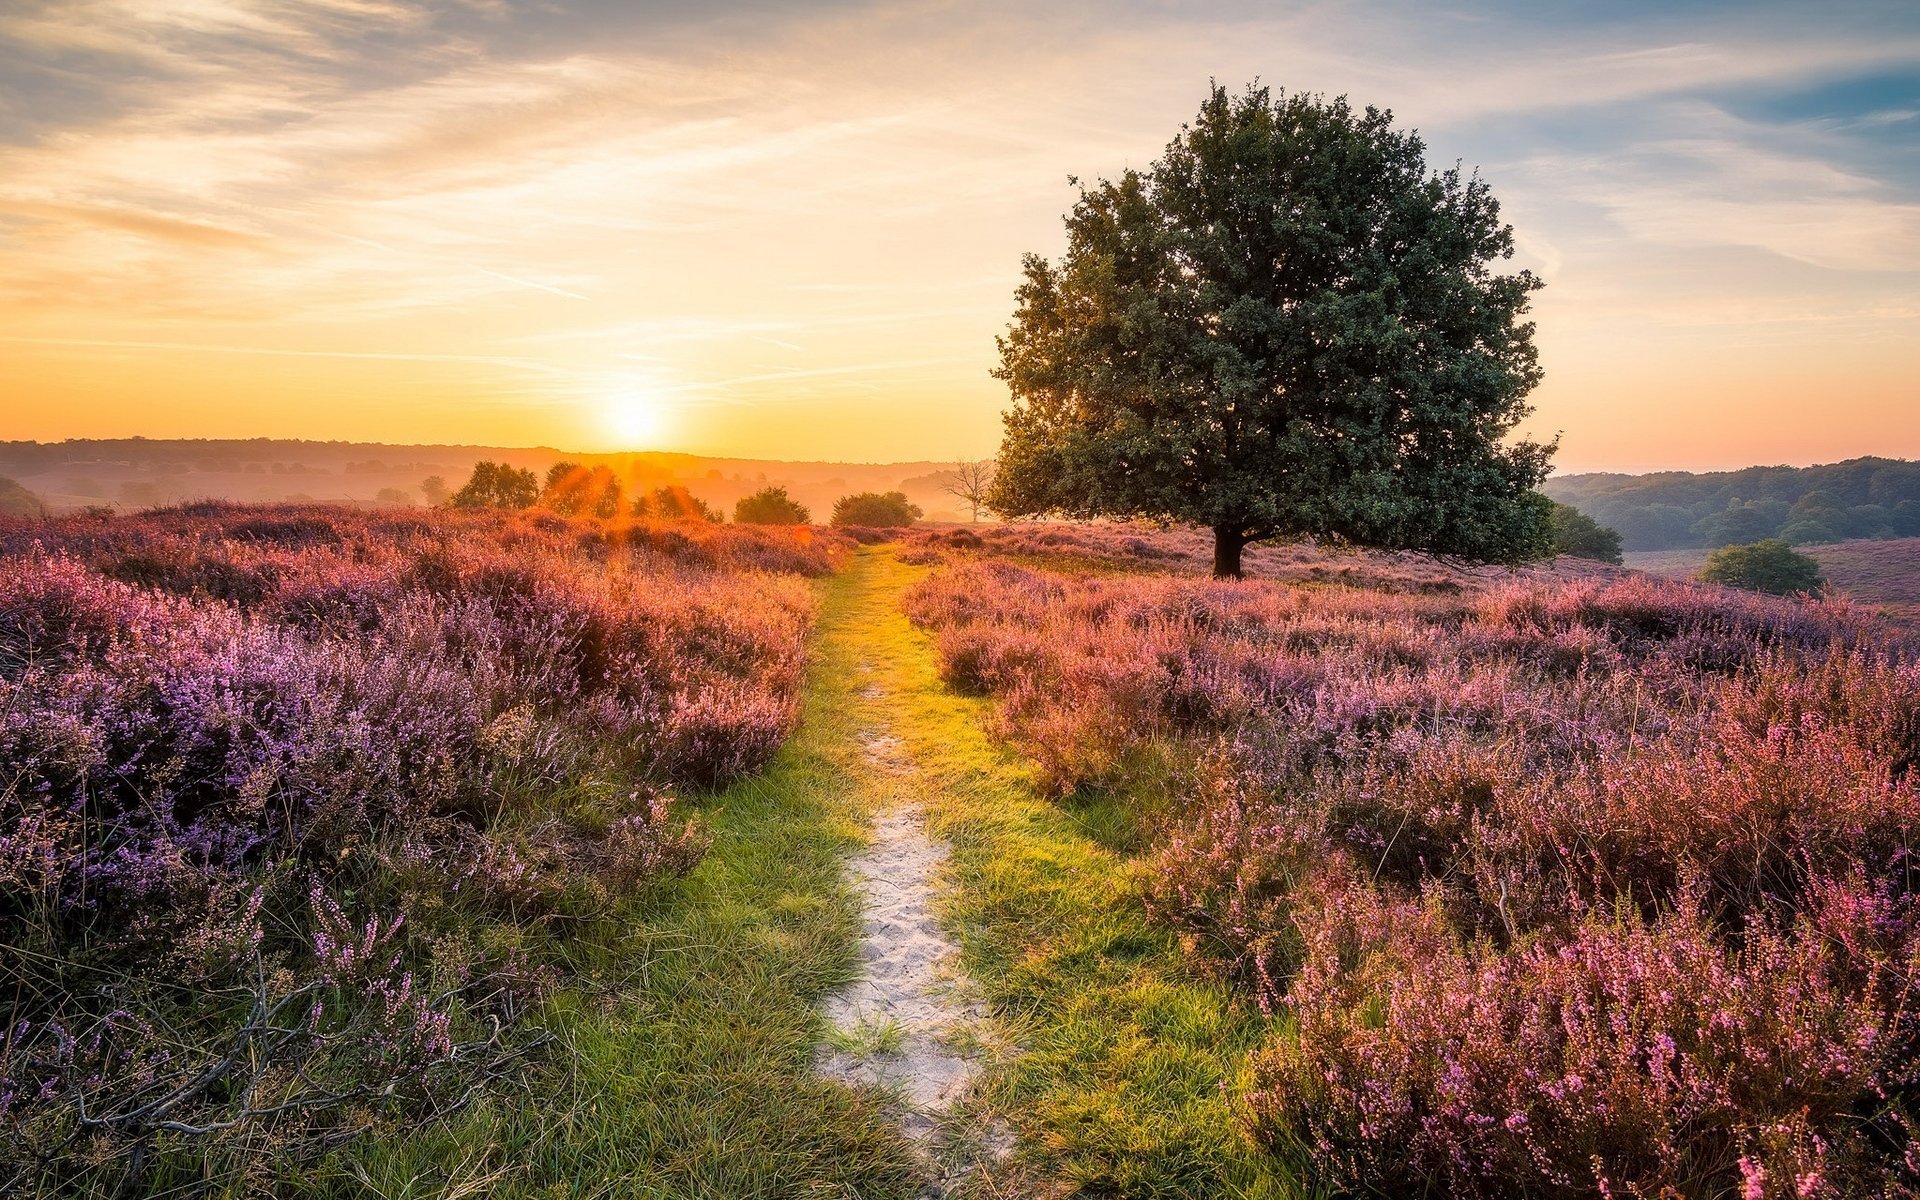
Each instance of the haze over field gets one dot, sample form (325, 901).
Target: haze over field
(791, 231)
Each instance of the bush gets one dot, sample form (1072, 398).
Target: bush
(770, 506)
(1771, 566)
(1580, 536)
(877, 510)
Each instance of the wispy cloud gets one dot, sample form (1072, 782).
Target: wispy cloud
(763, 205)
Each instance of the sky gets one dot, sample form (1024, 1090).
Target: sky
(787, 230)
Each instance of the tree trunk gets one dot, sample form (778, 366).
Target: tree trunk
(1228, 542)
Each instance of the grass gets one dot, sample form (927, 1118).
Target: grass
(872, 1038)
(1127, 1057)
(692, 1060)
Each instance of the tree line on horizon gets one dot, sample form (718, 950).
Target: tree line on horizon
(573, 490)
(1869, 498)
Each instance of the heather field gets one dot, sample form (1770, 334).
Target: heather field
(421, 853)
(1548, 886)
(302, 809)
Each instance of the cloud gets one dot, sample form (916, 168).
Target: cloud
(770, 201)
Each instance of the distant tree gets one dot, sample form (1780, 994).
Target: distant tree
(434, 488)
(1287, 326)
(399, 497)
(1770, 565)
(17, 501)
(675, 503)
(574, 491)
(971, 482)
(1739, 524)
(564, 490)
(1810, 533)
(882, 510)
(497, 485)
(1859, 498)
(1580, 536)
(770, 506)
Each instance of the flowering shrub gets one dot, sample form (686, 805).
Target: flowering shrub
(263, 772)
(1555, 884)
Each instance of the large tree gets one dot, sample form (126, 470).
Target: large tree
(1287, 326)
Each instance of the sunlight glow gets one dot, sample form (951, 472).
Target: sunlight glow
(637, 420)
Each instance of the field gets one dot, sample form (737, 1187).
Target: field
(1882, 574)
(426, 853)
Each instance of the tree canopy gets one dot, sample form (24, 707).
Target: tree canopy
(1578, 535)
(882, 510)
(497, 485)
(575, 490)
(675, 503)
(1287, 326)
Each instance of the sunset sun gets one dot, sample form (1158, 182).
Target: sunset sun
(635, 419)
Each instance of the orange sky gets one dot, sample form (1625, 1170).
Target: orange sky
(793, 231)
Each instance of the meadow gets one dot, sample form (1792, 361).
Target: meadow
(301, 807)
(423, 852)
(1549, 886)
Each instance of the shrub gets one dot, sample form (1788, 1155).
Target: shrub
(770, 506)
(879, 510)
(1770, 566)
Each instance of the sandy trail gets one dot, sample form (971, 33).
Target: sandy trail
(905, 1023)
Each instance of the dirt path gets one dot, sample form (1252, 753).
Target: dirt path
(905, 1022)
(908, 1022)
(1083, 1028)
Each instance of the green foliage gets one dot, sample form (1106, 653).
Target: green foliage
(881, 510)
(1580, 536)
(675, 503)
(1286, 326)
(17, 501)
(497, 485)
(1677, 510)
(1770, 566)
(770, 506)
(435, 489)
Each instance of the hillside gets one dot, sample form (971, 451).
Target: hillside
(1870, 498)
(134, 473)
(1884, 574)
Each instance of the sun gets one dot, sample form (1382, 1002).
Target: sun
(636, 419)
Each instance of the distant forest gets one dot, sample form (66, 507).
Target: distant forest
(1678, 510)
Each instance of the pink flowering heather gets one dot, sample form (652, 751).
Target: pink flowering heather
(1568, 884)
(286, 757)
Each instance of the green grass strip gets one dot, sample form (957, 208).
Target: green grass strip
(1130, 1058)
(692, 1070)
